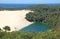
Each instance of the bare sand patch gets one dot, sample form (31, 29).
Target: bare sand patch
(14, 19)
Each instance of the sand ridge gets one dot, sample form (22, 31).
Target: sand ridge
(14, 19)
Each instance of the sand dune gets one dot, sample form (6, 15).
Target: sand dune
(15, 19)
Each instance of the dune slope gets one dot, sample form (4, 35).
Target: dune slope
(15, 19)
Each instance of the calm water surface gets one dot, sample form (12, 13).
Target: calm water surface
(37, 27)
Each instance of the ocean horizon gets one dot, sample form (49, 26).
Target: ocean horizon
(16, 5)
(21, 5)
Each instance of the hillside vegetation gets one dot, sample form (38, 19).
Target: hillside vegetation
(49, 15)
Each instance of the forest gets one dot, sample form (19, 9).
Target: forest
(49, 15)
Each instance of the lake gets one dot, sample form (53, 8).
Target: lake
(37, 27)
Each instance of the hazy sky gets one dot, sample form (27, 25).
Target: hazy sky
(30, 1)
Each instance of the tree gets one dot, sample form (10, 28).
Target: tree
(6, 28)
(0, 29)
(30, 17)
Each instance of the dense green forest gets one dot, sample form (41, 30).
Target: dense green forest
(30, 35)
(49, 15)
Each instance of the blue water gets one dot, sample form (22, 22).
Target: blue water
(21, 5)
(37, 27)
(16, 5)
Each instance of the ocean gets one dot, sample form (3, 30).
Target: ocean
(22, 5)
(16, 5)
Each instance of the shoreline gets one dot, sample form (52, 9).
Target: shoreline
(14, 19)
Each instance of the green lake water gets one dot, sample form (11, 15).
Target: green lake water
(37, 27)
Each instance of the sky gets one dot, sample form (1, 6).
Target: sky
(30, 1)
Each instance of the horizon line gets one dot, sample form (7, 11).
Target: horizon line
(29, 3)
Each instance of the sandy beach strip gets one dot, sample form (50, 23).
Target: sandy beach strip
(14, 19)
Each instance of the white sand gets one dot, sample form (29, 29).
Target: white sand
(14, 19)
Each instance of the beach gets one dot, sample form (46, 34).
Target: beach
(14, 19)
